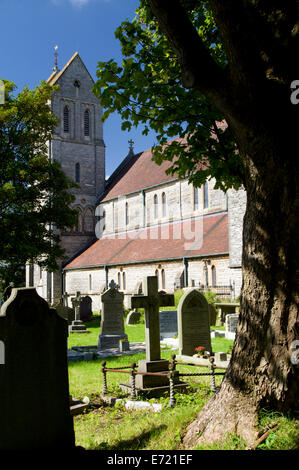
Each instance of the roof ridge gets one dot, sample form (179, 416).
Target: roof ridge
(56, 75)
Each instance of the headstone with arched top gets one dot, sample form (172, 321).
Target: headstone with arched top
(193, 323)
(34, 392)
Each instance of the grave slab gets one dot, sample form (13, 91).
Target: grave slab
(34, 392)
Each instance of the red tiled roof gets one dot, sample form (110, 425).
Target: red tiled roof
(153, 244)
(136, 173)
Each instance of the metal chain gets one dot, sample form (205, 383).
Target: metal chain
(105, 388)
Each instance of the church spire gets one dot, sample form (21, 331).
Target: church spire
(55, 68)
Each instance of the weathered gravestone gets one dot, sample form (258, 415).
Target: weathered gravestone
(112, 322)
(34, 392)
(86, 308)
(133, 317)
(213, 314)
(231, 323)
(64, 311)
(168, 320)
(77, 326)
(193, 323)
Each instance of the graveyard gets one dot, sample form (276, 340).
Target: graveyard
(124, 385)
(108, 425)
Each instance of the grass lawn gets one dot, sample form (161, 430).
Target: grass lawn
(114, 428)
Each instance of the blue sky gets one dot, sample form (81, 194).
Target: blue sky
(30, 29)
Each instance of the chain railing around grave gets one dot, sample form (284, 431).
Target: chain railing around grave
(172, 375)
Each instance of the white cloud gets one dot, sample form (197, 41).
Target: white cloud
(79, 3)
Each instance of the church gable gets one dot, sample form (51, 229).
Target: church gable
(74, 80)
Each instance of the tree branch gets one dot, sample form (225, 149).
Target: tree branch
(199, 70)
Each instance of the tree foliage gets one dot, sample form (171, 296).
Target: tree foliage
(147, 89)
(34, 191)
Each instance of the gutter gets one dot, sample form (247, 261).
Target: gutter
(129, 263)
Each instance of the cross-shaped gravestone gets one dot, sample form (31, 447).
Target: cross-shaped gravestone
(113, 285)
(76, 303)
(151, 301)
(77, 326)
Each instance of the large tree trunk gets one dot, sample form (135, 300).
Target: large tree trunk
(253, 92)
(262, 370)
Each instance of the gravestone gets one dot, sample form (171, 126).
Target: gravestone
(231, 323)
(151, 301)
(168, 320)
(86, 308)
(193, 323)
(34, 392)
(213, 315)
(65, 312)
(77, 326)
(112, 322)
(133, 317)
(225, 308)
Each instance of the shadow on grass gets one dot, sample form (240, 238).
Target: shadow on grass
(136, 442)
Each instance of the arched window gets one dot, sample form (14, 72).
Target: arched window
(155, 206)
(127, 213)
(157, 276)
(79, 227)
(124, 281)
(214, 284)
(206, 195)
(104, 220)
(66, 119)
(163, 279)
(89, 221)
(206, 275)
(119, 279)
(77, 173)
(195, 199)
(163, 204)
(86, 123)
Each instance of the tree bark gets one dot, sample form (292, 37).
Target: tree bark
(256, 103)
(261, 372)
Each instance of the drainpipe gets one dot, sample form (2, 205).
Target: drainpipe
(185, 264)
(143, 207)
(106, 277)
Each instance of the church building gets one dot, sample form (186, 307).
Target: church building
(140, 221)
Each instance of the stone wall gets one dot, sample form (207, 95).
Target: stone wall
(92, 281)
(179, 205)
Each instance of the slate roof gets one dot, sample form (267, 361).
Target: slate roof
(135, 173)
(158, 243)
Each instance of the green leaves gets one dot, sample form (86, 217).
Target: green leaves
(34, 191)
(146, 90)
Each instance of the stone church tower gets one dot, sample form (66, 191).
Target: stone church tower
(77, 144)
